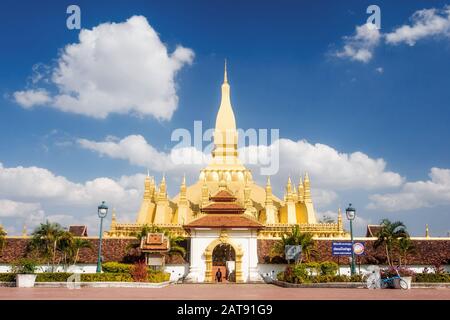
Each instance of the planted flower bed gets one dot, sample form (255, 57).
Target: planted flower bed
(326, 272)
(113, 272)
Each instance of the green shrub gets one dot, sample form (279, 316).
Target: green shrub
(329, 268)
(313, 267)
(25, 266)
(53, 276)
(106, 277)
(432, 277)
(280, 276)
(155, 277)
(7, 277)
(116, 267)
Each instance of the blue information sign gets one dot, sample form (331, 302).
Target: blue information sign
(341, 248)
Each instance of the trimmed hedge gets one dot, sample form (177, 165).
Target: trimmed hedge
(153, 277)
(7, 277)
(432, 277)
(117, 267)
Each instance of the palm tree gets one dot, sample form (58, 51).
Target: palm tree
(295, 237)
(2, 239)
(175, 247)
(64, 246)
(45, 240)
(389, 235)
(77, 245)
(404, 247)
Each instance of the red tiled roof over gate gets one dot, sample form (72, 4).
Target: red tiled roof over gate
(223, 207)
(223, 196)
(224, 221)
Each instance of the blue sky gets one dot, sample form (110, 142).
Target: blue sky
(287, 70)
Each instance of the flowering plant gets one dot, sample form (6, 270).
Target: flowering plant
(394, 271)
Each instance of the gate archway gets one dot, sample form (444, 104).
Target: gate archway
(223, 240)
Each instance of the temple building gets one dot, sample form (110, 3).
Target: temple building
(225, 210)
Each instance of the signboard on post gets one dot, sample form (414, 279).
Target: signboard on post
(341, 248)
(345, 248)
(292, 252)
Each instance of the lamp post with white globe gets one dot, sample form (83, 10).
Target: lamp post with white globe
(351, 214)
(102, 212)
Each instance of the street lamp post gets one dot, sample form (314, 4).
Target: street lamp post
(351, 213)
(102, 212)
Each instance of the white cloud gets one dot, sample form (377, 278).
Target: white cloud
(323, 198)
(380, 70)
(30, 98)
(360, 46)
(34, 183)
(327, 167)
(114, 68)
(424, 23)
(137, 151)
(31, 195)
(17, 209)
(418, 194)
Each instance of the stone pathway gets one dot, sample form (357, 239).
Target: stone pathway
(222, 292)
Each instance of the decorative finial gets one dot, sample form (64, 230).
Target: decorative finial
(427, 231)
(268, 180)
(184, 179)
(225, 77)
(24, 230)
(148, 173)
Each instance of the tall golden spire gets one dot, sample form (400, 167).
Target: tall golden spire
(225, 77)
(225, 133)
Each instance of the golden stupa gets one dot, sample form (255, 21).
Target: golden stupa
(225, 169)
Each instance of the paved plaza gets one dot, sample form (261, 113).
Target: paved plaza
(221, 292)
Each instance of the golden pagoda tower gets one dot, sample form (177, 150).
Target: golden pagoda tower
(225, 170)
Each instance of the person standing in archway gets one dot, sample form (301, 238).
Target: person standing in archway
(219, 275)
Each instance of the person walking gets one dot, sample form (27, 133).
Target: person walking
(219, 275)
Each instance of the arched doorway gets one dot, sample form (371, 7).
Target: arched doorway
(223, 239)
(224, 259)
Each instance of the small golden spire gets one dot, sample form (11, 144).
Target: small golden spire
(24, 230)
(300, 190)
(268, 181)
(427, 231)
(306, 188)
(113, 218)
(339, 222)
(183, 196)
